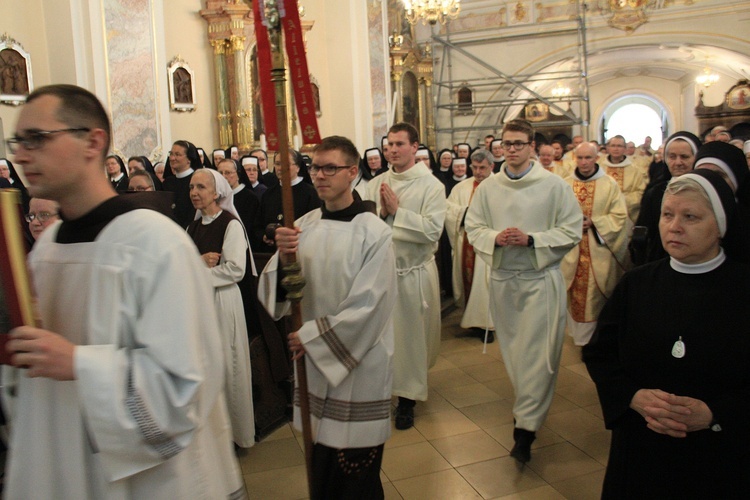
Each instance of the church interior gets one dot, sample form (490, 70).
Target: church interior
(172, 70)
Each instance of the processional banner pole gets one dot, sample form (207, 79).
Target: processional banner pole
(272, 15)
(15, 277)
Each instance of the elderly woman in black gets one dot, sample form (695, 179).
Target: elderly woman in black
(671, 357)
(220, 237)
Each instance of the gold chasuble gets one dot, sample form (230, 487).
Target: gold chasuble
(594, 266)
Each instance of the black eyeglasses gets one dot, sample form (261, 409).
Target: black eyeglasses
(35, 139)
(328, 170)
(517, 145)
(41, 216)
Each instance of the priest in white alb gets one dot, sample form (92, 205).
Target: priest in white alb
(470, 275)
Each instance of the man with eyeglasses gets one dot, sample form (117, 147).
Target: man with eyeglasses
(630, 179)
(346, 255)
(121, 392)
(412, 201)
(521, 222)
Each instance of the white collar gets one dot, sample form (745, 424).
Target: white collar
(703, 267)
(184, 174)
(208, 219)
(117, 179)
(295, 181)
(459, 178)
(239, 188)
(255, 184)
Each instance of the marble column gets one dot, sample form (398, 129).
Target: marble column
(222, 86)
(243, 130)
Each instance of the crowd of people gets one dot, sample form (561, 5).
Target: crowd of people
(639, 253)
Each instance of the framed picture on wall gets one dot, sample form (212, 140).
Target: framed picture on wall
(181, 85)
(536, 111)
(738, 96)
(15, 72)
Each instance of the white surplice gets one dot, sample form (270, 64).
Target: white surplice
(146, 415)
(416, 227)
(477, 307)
(527, 291)
(228, 300)
(348, 330)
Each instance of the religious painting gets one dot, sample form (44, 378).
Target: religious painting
(315, 87)
(410, 99)
(536, 111)
(181, 85)
(15, 72)
(738, 96)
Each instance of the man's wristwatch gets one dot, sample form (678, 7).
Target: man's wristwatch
(530, 244)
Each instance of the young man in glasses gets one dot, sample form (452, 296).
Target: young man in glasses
(521, 222)
(121, 392)
(346, 255)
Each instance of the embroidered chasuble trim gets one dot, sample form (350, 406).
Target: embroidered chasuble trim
(152, 434)
(335, 345)
(468, 257)
(347, 411)
(584, 192)
(618, 174)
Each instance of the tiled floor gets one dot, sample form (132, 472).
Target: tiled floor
(459, 445)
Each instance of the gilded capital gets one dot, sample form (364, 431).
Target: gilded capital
(237, 43)
(219, 46)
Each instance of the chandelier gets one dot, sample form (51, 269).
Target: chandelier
(560, 91)
(707, 77)
(431, 11)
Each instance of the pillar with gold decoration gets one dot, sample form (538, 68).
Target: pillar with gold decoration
(224, 115)
(243, 123)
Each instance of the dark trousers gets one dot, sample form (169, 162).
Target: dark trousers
(349, 473)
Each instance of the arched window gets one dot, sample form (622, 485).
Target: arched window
(635, 118)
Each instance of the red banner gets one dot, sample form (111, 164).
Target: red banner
(267, 91)
(299, 75)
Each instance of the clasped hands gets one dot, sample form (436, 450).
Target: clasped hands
(388, 201)
(512, 236)
(670, 414)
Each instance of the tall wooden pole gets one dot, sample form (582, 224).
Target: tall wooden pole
(293, 281)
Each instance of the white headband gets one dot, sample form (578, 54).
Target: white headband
(464, 147)
(4, 162)
(234, 150)
(220, 153)
(722, 165)
(459, 161)
(372, 152)
(693, 145)
(746, 147)
(250, 160)
(713, 196)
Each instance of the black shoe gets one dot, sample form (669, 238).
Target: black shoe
(404, 417)
(522, 449)
(490, 337)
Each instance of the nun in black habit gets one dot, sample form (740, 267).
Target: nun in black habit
(671, 358)
(117, 173)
